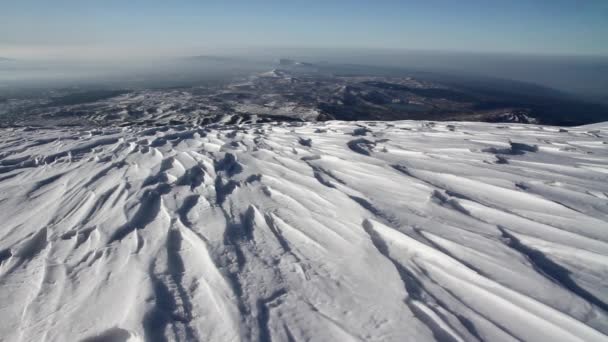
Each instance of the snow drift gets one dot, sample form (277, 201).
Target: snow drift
(404, 231)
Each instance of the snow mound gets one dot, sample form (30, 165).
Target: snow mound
(402, 231)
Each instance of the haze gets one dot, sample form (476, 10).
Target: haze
(68, 29)
(560, 44)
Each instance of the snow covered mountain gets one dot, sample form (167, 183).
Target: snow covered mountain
(335, 231)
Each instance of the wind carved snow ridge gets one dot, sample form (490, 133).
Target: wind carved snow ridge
(304, 231)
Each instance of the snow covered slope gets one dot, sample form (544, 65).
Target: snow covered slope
(403, 231)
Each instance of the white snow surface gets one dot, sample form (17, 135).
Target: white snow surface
(337, 231)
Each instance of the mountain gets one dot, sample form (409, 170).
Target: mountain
(329, 231)
(296, 91)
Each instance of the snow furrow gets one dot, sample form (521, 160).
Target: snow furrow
(367, 231)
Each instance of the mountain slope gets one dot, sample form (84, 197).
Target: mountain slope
(305, 231)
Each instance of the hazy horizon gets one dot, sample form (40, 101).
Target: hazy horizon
(556, 43)
(114, 30)
(578, 75)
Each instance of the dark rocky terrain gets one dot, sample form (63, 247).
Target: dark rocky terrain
(305, 92)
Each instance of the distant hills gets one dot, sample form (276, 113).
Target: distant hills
(211, 58)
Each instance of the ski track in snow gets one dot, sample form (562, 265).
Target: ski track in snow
(367, 231)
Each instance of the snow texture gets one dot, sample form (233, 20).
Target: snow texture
(336, 231)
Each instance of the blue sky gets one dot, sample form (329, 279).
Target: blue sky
(37, 28)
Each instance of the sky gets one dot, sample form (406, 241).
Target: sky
(38, 29)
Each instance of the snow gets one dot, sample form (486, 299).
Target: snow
(336, 231)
